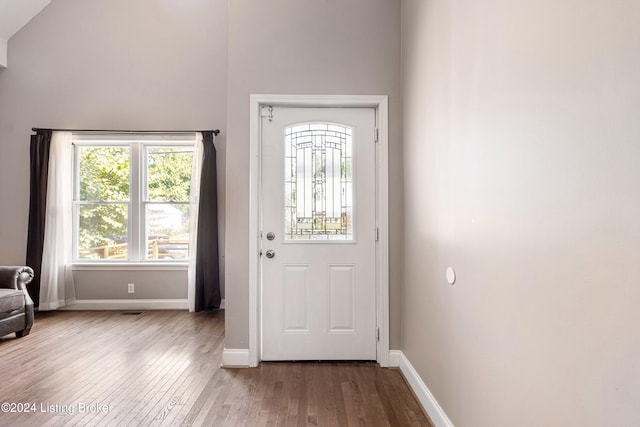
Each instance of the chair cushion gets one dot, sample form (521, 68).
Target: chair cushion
(10, 300)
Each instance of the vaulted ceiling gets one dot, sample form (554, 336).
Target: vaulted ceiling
(15, 14)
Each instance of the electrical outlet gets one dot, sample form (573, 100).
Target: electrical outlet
(131, 288)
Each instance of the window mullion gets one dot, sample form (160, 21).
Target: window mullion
(135, 217)
(75, 250)
(143, 197)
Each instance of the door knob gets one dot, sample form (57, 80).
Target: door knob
(270, 254)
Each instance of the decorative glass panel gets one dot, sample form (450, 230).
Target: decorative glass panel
(318, 182)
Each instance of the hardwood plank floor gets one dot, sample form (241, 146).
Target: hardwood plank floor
(162, 368)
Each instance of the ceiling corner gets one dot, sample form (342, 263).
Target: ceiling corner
(15, 14)
(3, 53)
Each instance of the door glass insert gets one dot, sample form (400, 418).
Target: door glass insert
(318, 182)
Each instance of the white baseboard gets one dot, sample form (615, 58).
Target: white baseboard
(235, 358)
(394, 358)
(427, 400)
(128, 304)
(54, 305)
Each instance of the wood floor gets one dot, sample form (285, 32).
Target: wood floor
(163, 368)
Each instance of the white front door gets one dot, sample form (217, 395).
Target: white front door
(318, 234)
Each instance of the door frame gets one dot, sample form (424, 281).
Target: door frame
(380, 104)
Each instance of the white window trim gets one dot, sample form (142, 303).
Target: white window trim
(135, 266)
(136, 218)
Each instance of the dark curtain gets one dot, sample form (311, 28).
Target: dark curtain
(39, 167)
(207, 266)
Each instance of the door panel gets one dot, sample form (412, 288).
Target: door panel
(342, 289)
(296, 298)
(318, 209)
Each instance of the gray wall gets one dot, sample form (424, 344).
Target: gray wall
(109, 64)
(305, 47)
(168, 284)
(521, 149)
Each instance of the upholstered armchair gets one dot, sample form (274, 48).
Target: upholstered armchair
(16, 306)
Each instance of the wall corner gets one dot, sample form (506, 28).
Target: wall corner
(428, 401)
(3, 53)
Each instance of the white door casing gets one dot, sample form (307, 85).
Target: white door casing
(318, 234)
(252, 355)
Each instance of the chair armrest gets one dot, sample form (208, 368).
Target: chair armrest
(15, 277)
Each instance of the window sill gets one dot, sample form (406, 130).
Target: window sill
(138, 266)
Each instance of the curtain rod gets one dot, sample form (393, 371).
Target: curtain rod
(215, 131)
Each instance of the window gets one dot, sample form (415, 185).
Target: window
(318, 182)
(131, 198)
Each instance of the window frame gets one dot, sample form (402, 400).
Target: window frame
(136, 218)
